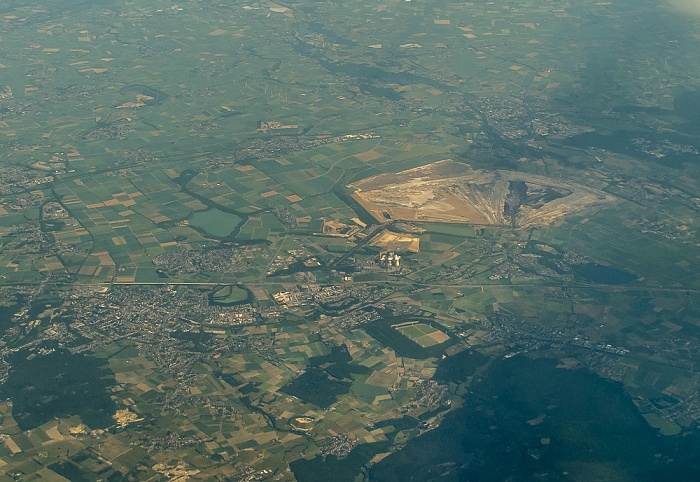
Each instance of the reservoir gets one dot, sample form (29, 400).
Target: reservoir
(215, 223)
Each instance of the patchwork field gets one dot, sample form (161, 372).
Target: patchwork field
(424, 335)
(308, 241)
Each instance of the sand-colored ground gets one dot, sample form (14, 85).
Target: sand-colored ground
(453, 192)
(397, 242)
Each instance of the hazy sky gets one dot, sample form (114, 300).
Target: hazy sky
(690, 6)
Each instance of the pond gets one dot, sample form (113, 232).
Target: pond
(215, 222)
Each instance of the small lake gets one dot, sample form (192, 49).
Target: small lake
(215, 223)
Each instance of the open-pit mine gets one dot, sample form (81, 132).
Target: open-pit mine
(453, 192)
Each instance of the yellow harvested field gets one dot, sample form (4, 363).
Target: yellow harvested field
(382, 379)
(87, 270)
(438, 337)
